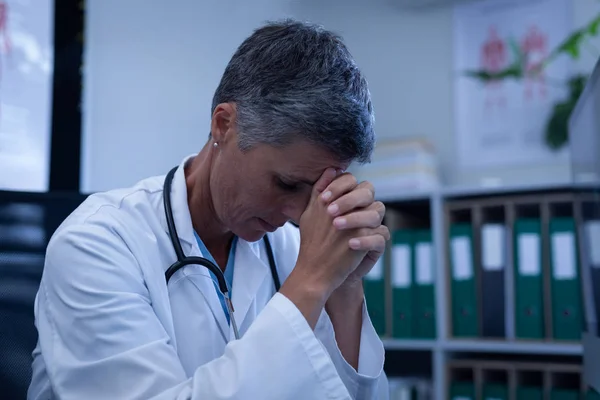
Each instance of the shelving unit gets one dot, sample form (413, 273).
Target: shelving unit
(437, 211)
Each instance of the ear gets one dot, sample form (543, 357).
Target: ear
(223, 124)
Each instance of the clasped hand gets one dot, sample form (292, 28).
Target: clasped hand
(342, 235)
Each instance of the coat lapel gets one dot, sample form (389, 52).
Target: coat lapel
(249, 275)
(185, 233)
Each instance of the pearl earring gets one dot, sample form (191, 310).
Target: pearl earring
(215, 144)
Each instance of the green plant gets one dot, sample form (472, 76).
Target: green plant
(556, 134)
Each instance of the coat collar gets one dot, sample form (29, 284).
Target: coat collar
(180, 207)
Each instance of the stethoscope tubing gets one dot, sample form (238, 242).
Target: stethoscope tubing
(183, 260)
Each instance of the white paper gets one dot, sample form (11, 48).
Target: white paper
(592, 234)
(401, 266)
(564, 262)
(461, 258)
(26, 73)
(493, 246)
(424, 264)
(500, 124)
(403, 393)
(528, 247)
(376, 273)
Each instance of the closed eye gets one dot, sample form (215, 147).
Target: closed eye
(287, 186)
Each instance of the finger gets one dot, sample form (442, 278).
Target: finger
(380, 230)
(343, 184)
(324, 181)
(374, 243)
(362, 196)
(369, 217)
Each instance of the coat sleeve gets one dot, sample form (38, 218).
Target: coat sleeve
(100, 338)
(364, 383)
(369, 381)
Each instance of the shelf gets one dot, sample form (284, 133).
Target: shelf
(409, 344)
(450, 193)
(485, 346)
(591, 360)
(418, 195)
(457, 192)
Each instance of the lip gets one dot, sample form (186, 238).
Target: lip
(266, 226)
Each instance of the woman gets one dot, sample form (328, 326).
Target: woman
(291, 112)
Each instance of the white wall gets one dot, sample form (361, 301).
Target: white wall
(408, 59)
(151, 71)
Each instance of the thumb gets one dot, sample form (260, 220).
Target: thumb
(324, 181)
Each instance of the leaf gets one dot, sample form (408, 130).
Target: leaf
(557, 126)
(572, 44)
(513, 71)
(518, 53)
(594, 26)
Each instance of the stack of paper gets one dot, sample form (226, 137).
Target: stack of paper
(398, 165)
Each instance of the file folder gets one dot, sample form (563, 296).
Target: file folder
(493, 261)
(374, 287)
(493, 391)
(591, 394)
(401, 279)
(462, 391)
(567, 312)
(424, 288)
(529, 393)
(564, 394)
(465, 313)
(592, 247)
(529, 285)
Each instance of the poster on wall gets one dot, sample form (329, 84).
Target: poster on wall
(501, 123)
(26, 70)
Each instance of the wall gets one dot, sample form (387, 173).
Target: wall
(151, 71)
(408, 59)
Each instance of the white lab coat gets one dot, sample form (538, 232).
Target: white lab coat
(110, 329)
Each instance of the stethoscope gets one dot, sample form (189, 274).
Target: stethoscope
(183, 260)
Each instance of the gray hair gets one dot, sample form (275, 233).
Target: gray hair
(292, 80)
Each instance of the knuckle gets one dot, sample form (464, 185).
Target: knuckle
(368, 194)
(367, 186)
(364, 232)
(374, 219)
(386, 231)
(352, 180)
(370, 186)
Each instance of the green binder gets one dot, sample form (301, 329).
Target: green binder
(462, 391)
(493, 391)
(591, 394)
(564, 394)
(465, 313)
(529, 393)
(424, 289)
(528, 278)
(567, 315)
(374, 286)
(401, 279)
